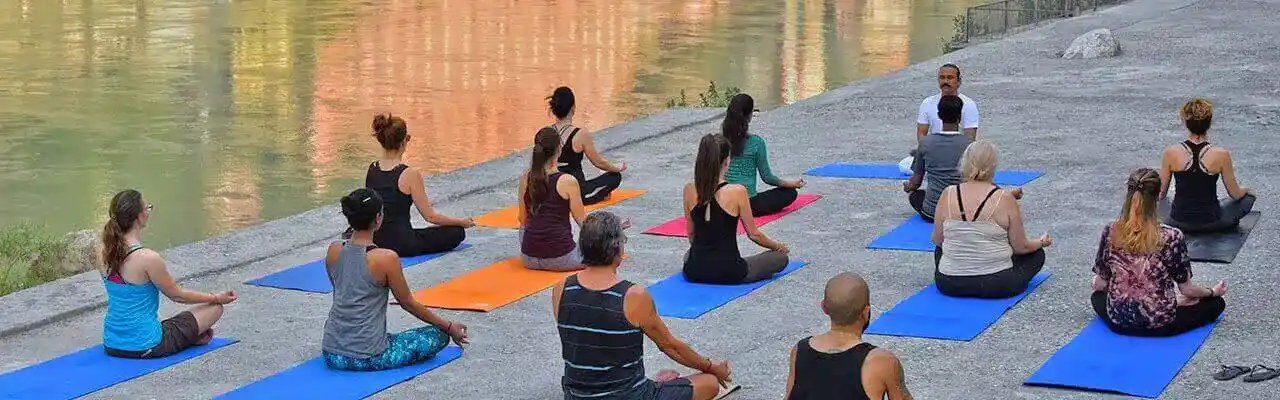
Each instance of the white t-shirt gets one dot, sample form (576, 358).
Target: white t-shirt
(929, 113)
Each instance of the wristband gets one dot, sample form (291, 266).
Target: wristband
(448, 329)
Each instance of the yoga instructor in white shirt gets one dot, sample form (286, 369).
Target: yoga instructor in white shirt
(927, 120)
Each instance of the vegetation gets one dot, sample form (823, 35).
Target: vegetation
(958, 37)
(29, 256)
(711, 97)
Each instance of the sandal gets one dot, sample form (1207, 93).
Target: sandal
(1230, 372)
(1261, 373)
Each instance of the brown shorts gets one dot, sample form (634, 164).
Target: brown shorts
(176, 334)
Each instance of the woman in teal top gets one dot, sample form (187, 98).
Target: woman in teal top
(134, 277)
(750, 155)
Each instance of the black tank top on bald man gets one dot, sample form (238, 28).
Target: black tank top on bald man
(603, 352)
(1195, 199)
(829, 376)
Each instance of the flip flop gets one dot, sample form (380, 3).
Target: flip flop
(1230, 372)
(1261, 373)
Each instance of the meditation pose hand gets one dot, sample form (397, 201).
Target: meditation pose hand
(458, 332)
(721, 371)
(227, 297)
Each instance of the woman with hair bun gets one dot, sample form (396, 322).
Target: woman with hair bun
(1196, 167)
(134, 277)
(1139, 265)
(578, 143)
(355, 333)
(400, 187)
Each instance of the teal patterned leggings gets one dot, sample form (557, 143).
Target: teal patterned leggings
(409, 347)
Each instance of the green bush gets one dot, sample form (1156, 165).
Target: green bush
(711, 97)
(29, 256)
(958, 36)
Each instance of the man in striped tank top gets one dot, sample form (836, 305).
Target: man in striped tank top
(603, 321)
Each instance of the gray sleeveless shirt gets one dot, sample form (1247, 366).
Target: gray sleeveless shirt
(357, 324)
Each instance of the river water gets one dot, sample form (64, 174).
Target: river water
(225, 113)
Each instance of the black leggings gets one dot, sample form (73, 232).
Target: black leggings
(772, 201)
(421, 241)
(916, 198)
(759, 267)
(597, 189)
(1233, 210)
(1186, 319)
(1000, 285)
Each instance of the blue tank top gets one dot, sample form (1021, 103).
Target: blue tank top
(131, 323)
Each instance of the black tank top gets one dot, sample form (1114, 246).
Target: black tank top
(396, 232)
(1196, 199)
(603, 352)
(713, 252)
(547, 233)
(829, 376)
(570, 162)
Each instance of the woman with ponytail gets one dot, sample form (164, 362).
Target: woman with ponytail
(134, 277)
(1139, 265)
(1196, 167)
(401, 187)
(548, 198)
(983, 251)
(712, 210)
(577, 144)
(355, 333)
(749, 155)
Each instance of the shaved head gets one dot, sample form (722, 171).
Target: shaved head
(845, 298)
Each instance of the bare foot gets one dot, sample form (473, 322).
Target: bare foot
(666, 375)
(205, 337)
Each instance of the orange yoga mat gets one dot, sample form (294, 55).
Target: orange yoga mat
(509, 218)
(490, 287)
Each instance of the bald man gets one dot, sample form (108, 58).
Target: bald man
(838, 364)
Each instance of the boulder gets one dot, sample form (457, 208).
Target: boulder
(1093, 44)
(83, 248)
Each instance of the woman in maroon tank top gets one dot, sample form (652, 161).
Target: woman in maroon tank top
(548, 198)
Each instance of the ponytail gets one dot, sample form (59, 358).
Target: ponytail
(712, 151)
(123, 213)
(545, 144)
(736, 120)
(1138, 229)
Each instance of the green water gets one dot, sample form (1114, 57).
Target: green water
(227, 113)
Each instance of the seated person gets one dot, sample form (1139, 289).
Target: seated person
(134, 277)
(401, 186)
(983, 252)
(1196, 167)
(547, 199)
(1139, 265)
(355, 334)
(937, 159)
(749, 156)
(603, 320)
(578, 143)
(838, 364)
(712, 210)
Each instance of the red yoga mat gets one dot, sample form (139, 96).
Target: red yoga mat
(676, 227)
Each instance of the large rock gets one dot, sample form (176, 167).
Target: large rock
(83, 248)
(1093, 44)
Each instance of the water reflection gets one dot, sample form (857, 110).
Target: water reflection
(225, 113)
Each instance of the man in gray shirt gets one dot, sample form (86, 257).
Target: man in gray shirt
(938, 159)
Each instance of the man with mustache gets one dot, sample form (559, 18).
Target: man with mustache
(927, 120)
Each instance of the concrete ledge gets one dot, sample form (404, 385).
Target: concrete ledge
(75, 295)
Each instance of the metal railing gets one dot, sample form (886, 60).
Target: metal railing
(1002, 16)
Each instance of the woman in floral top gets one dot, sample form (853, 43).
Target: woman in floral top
(1140, 262)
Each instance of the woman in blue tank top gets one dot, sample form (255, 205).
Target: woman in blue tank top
(1196, 167)
(134, 277)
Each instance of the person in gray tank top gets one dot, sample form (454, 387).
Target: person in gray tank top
(355, 334)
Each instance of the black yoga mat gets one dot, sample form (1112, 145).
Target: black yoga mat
(1221, 247)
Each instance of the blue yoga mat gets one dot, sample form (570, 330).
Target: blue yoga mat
(915, 234)
(931, 314)
(87, 371)
(313, 380)
(1101, 360)
(679, 298)
(310, 277)
(891, 171)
